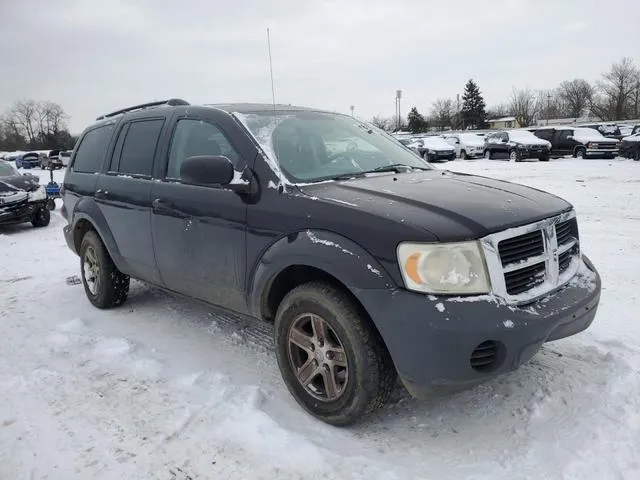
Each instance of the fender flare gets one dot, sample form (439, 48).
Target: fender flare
(87, 209)
(330, 252)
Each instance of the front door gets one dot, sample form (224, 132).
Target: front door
(199, 233)
(123, 196)
(565, 144)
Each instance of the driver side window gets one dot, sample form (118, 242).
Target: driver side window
(196, 137)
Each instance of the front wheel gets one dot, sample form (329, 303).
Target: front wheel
(463, 155)
(104, 284)
(331, 359)
(514, 156)
(487, 154)
(581, 153)
(41, 218)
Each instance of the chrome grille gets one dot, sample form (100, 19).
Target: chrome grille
(541, 256)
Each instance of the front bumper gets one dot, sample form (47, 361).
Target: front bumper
(592, 152)
(20, 212)
(441, 157)
(431, 339)
(533, 154)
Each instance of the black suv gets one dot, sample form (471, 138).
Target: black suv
(516, 145)
(370, 262)
(581, 142)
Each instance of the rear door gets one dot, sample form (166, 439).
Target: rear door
(564, 143)
(199, 233)
(123, 195)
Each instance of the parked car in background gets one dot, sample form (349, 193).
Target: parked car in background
(369, 262)
(28, 160)
(13, 156)
(64, 157)
(434, 149)
(628, 130)
(580, 142)
(51, 160)
(630, 147)
(608, 130)
(516, 145)
(22, 198)
(467, 145)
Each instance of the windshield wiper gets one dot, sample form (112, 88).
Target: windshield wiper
(395, 167)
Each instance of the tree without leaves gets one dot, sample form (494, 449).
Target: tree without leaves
(525, 106)
(381, 122)
(473, 107)
(616, 91)
(499, 111)
(576, 95)
(442, 113)
(35, 125)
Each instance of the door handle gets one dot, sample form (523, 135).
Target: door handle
(166, 207)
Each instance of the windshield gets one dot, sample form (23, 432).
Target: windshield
(587, 132)
(471, 138)
(314, 146)
(7, 170)
(523, 136)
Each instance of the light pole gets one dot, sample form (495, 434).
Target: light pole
(398, 97)
(352, 107)
(548, 107)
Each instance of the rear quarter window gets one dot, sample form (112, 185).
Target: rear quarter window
(92, 150)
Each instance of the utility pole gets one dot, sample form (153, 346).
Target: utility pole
(458, 122)
(398, 97)
(352, 107)
(548, 106)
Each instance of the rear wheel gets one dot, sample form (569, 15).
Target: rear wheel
(487, 154)
(463, 155)
(333, 362)
(580, 153)
(636, 157)
(104, 284)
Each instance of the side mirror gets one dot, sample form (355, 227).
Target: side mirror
(207, 170)
(570, 137)
(504, 140)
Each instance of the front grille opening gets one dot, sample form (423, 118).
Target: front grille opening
(526, 278)
(487, 356)
(516, 249)
(566, 231)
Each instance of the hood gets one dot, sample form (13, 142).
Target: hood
(472, 142)
(632, 138)
(26, 183)
(449, 206)
(595, 138)
(531, 141)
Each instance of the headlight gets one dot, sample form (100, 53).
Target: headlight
(450, 268)
(523, 147)
(39, 194)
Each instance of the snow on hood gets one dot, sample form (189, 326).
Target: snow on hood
(437, 143)
(590, 135)
(632, 138)
(527, 138)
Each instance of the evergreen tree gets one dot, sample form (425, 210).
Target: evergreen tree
(417, 122)
(473, 107)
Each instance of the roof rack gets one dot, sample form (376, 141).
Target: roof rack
(171, 102)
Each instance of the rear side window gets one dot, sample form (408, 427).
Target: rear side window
(139, 147)
(92, 149)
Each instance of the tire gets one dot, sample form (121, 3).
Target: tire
(580, 153)
(636, 157)
(104, 284)
(51, 204)
(487, 154)
(514, 156)
(544, 158)
(463, 155)
(41, 218)
(364, 367)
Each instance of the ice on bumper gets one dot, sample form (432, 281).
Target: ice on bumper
(39, 194)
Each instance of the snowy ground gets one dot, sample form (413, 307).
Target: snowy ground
(166, 389)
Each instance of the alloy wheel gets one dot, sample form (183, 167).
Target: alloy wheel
(91, 269)
(318, 358)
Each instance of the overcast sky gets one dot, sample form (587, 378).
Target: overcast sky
(94, 56)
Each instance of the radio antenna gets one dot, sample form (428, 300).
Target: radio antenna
(273, 92)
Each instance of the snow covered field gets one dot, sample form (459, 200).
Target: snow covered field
(164, 388)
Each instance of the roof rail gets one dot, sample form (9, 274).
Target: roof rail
(171, 102)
